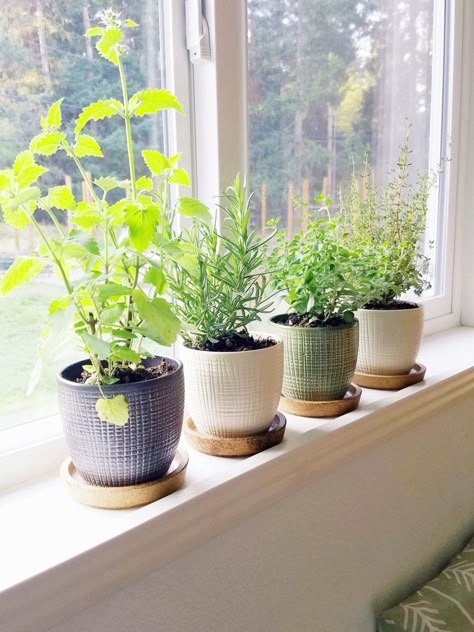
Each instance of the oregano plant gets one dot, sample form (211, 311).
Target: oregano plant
(108, 253)
(316, 271)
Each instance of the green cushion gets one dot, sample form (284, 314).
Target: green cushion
(445, 604)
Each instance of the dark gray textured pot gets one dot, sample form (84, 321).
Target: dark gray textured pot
(143, 449)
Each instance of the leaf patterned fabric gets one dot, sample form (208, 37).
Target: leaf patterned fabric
(445, 604)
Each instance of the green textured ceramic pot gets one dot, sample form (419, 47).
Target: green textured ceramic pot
(319, 362)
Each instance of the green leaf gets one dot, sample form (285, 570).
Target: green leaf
(156, 278)
(61, 197)
(159, 322)
(142, 225)
(23, 160)
(14, 208)
(80, 243)
(113, 410)
(109, 44)
(130, 23)
(190, 263)
(59, 304)
(125, 353)
(53, 118)
(112, 315)
(87, 146)
(107, 290)
(194, 208)
(30, 174)
(107, 184)
(47, 143)
(155, 161)
(22, 270)
(97, 111)
(144, 184)
(151, 101)
(87, 215)
(180, 176)
(94, 31)
(97, 346)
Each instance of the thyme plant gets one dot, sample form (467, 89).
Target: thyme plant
(317, 272)
(105, 255)
(388, 227)
(223, 286)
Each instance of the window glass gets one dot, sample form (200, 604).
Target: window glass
(331, 81)
(45, 57)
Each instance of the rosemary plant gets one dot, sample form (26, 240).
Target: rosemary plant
(222, 286)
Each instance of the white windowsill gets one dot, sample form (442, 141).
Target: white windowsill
(42, 528)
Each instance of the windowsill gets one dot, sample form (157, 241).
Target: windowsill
(42, 528)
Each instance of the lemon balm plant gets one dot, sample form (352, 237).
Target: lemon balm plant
(114, 285)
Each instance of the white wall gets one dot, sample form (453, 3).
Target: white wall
(325, 557)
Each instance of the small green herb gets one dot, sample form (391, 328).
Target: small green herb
(387, 226)
(219, 278)
(316, 271)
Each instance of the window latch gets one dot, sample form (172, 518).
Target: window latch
(197, 33)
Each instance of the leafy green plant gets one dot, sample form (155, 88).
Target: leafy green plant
(317, 272)
(388, 227)
(105, 251)
(222, 286)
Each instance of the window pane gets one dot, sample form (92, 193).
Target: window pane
(46, 57)
(333, 80)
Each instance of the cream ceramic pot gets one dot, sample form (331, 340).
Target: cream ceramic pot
(389, 340)
(233, 393)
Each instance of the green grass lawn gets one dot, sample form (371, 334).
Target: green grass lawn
(23, 316)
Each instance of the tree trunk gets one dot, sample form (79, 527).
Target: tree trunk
(42, 41)
(299, 114)
(87, 24)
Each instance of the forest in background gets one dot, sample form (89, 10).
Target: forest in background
(329, 81)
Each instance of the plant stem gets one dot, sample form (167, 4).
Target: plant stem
(128, 129)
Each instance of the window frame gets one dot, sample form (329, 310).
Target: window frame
(217, 91)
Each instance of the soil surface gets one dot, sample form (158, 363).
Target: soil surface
(309, 320)
(236, 342)
(392, 305)
(140, 374)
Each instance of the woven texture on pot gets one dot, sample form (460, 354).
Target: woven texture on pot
(389, 340)
(319, 361)
(233, 393)
(142, 450)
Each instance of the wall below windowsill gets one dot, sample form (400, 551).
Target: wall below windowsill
(46, 537)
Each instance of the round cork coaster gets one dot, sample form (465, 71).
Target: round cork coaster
(330, 408)
(392, 382)
(127, 496)
(236, 446)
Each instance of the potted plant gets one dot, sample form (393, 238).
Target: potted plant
(233, 378)
(388, 227)
(122, 408)
(316, 273)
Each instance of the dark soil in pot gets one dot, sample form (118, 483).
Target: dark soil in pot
(141, 373)
(394, 305)
(143, 449)
(309, 320)
(236, 342)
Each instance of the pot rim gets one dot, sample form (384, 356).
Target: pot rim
(119, 387)
(395, 311)
(329, 328)
(278, 340)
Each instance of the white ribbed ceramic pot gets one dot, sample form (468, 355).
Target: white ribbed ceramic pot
(233, 393)
(389, 340)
